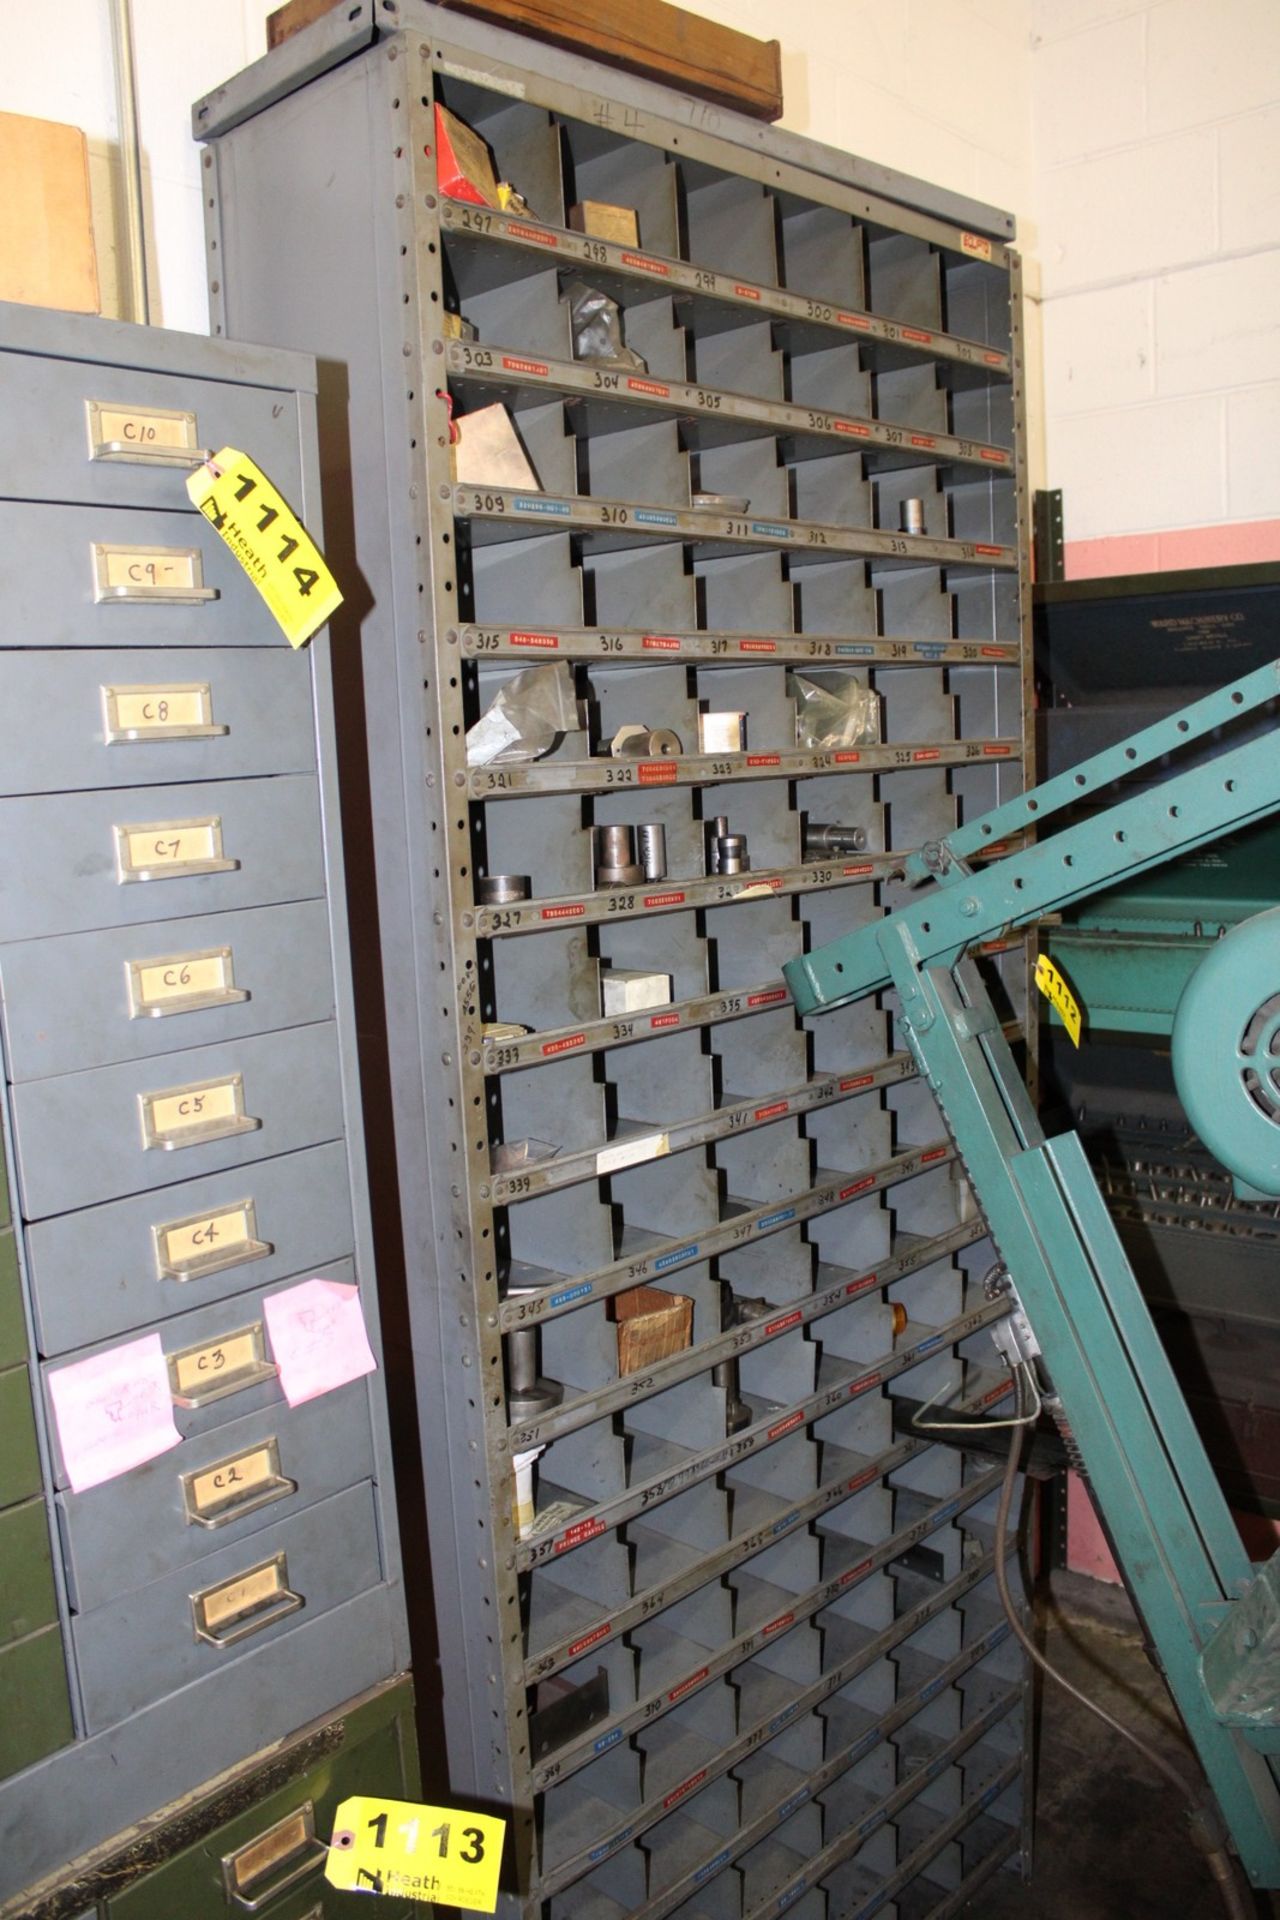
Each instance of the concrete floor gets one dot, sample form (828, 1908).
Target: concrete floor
(1110, 1837)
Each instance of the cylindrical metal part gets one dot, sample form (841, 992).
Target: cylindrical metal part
(911, 516)
(500, 889)
(646, 743)
(720, 825)
(651, 849)
(522, 1359)
(616, 864)
(733, 856)
(829, 837)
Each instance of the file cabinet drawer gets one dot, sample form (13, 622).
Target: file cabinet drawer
(129, 993)
(74, 861)
(84, 1138)
(173, 1632)
(35, 1709)
(126, 437)
(217, 1488)
(121, 717)
(27, 1599)
(96, 1275)
(19, 1456)
(49, 580)
(221, 1369)
(13, 1326)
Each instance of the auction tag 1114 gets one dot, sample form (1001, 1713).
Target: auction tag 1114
(268, 540)
(1060, 997)
(416, 1853)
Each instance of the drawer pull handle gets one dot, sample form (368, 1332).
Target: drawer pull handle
(202, 1374)
(291, 1844)
(182, 983)
(205, 1243)
(171, 850)
(236, 1609)
(159, 576)
(230, 1489)
(143, 436)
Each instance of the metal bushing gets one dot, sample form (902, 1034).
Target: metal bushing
(529, 1396)
(501, 889)
(828, 837)
(911, 516)
(633, 742)
(731, 853)
(615, 851)
(651, 849)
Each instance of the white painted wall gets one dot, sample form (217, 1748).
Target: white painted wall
(1157, 186)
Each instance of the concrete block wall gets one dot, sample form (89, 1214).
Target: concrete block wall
(1156, 129)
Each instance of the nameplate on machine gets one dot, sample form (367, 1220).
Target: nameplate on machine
(162, 574)
(207, 1242)
(238, 1485)
(176, 710)
(199, 1375)
(201, 1111)
(143, 436)
(171, 850)
(182, 983)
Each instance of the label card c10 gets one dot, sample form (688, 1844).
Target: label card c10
(268, 540)
(399, 1847)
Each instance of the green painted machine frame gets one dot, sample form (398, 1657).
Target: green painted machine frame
(1214, 1623)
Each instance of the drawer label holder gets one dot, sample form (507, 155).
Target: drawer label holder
(204, 1243)
(142, 436)
(171, 850)
(225, 1614)
(182, 983)
(202, 1374)
(196, 1114)
(165, 576)
(414, 1852)
(173, 710)
(273, 1862)
(232, 1488)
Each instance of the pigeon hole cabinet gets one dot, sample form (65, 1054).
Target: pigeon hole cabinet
(719, 1627)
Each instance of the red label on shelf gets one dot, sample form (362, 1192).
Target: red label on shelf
(851, 873)
(977, 245)
(688, 1683)
(757, 646)
(922, 439)
(916, 333)
(855, 320)
(927, 753)
(787, 1320)
(650, 386)
(994, 359)
(660, 643)
(769, 999)
(996, 1393)
(990, 552)
(847, 757)
(657, 773)
(934, 1153)
(574, 1536)
(862, 1386)
(776, 1626)
(565, 913)
(534, 639)
(771, 1113)
(856, 1573)
(998, 653)
(861, 1480)
(564, 1046)
(764, 759)
(665, 1020)
(995, 453)
(788, 1425)
(686, 1786)
(663, 899)
(859, 1080)
(853, 426)
(748, 293)
(864, 1285)
(589, 1639)
(537, 234)
(645, 265)
(995, 749)
(859, 1186)
(514, 365)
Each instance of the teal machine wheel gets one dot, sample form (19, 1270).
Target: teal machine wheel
(1226, 1053)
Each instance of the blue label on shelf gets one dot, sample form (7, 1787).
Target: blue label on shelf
(859, 652)
(652, 517)
(788, 1519)
(522, 505)
(775, 1219)
(929, 649)
(772, 532)
(713, 1866)
(572, 1293)
(608, 1740)
(674, 1259)
(788, 1807)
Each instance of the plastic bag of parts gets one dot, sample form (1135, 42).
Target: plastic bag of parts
(526, 718)
(834, 710)
(597, 327)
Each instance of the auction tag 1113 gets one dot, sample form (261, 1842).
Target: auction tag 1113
(1060, 997)
(415, 1852)
(270, 542)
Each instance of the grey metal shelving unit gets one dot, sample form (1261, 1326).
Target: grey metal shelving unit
(748, 1655)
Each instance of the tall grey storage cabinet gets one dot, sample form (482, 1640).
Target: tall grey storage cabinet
(181, 1114)
(703, 515)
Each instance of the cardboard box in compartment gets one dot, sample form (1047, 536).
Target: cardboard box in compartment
(604, 221)
(47, 256)
(487, 451)
(464, 164)
(652, 1325)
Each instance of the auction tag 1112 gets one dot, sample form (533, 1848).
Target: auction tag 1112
(1060, 997)
(416, 1853)
(268, 540)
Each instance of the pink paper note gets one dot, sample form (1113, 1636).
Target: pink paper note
(318, 1338)
(114, 1410)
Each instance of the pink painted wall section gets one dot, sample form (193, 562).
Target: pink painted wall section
(1236, 544)
(1088, 1552)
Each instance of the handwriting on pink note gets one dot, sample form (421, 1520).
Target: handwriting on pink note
(318, 1338)
(114, 1410)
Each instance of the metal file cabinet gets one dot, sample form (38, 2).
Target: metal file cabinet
(745, 1653)
(173, 926)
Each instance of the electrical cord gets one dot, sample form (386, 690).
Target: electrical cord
(1205, 1824)
(975, 1422)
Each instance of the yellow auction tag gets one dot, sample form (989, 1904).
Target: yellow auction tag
(268, 540)
(1059, 995)
(416, 1853)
